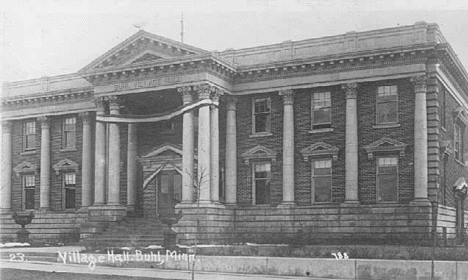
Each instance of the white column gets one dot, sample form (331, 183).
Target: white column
(5, 192)
(187, 147)
(86, 165)
(351, 150)
(132, 153)
(114, 155)
(420, 142)
(100, 158)
(204, 149)
(288, 147)
(231, 152)
(215, 147)
(45, 164)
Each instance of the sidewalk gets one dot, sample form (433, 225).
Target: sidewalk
(139, 272)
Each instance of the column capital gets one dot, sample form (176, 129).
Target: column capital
(216, 93)
(350, 90)
(288, 96)
(100, 104)
(45, 121)
(419, 83)
(186, 93)
(85, 117)
(203, 90)
(231, 102)
(6, 126)
(114, 102)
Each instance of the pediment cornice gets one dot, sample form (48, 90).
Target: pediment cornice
(385, 145)
(25, 167)
(65, 165)
(134, 42)
(259, 153)
(320, 149)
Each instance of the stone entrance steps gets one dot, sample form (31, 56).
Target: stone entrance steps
(130, 232)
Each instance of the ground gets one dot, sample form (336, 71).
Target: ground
(16, 274)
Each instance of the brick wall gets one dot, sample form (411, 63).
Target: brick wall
(19, 157)
(57, 154)
(366, 101)
(245, 142)
(303, 138)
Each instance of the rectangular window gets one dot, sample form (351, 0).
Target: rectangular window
(29, 186)
(458, 141)
(69, 129)
(387, 104)
(321, 110)
(69, 189)
(322, 180)
(387, 179)
(262, 178)
(29, 133)
(261, 115)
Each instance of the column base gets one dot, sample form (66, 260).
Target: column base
(6, 210)
(287, 204)
(84, 209)
(350, 203)
(420, 202)
(44, 209)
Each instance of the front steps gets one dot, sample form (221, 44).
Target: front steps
(129, 232)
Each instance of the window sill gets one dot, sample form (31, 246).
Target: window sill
(262, 205)
(68, 150)
(321, 130)
(390, 125)
(32, 152)
(261, 134)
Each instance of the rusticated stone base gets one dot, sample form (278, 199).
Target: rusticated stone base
(371, 224)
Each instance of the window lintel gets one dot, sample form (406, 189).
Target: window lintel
(320, 149)
(385, 145)
(65, 165)
(259, 153)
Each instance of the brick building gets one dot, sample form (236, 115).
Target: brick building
(347, 136)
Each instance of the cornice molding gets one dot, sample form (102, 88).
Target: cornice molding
(329, 65)
(50, 97)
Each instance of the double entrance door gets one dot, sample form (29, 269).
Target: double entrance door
(167, 191)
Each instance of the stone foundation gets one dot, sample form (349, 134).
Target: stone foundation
(307, 225)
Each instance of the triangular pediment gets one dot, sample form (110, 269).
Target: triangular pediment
(385, 145)
(65, 165)
(259, 153)
(320, 149)
(25, 167)
(142, 47)
(164, 151)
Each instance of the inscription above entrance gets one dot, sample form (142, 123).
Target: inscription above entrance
(146, 83)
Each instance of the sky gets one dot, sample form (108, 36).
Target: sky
(52, 37)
